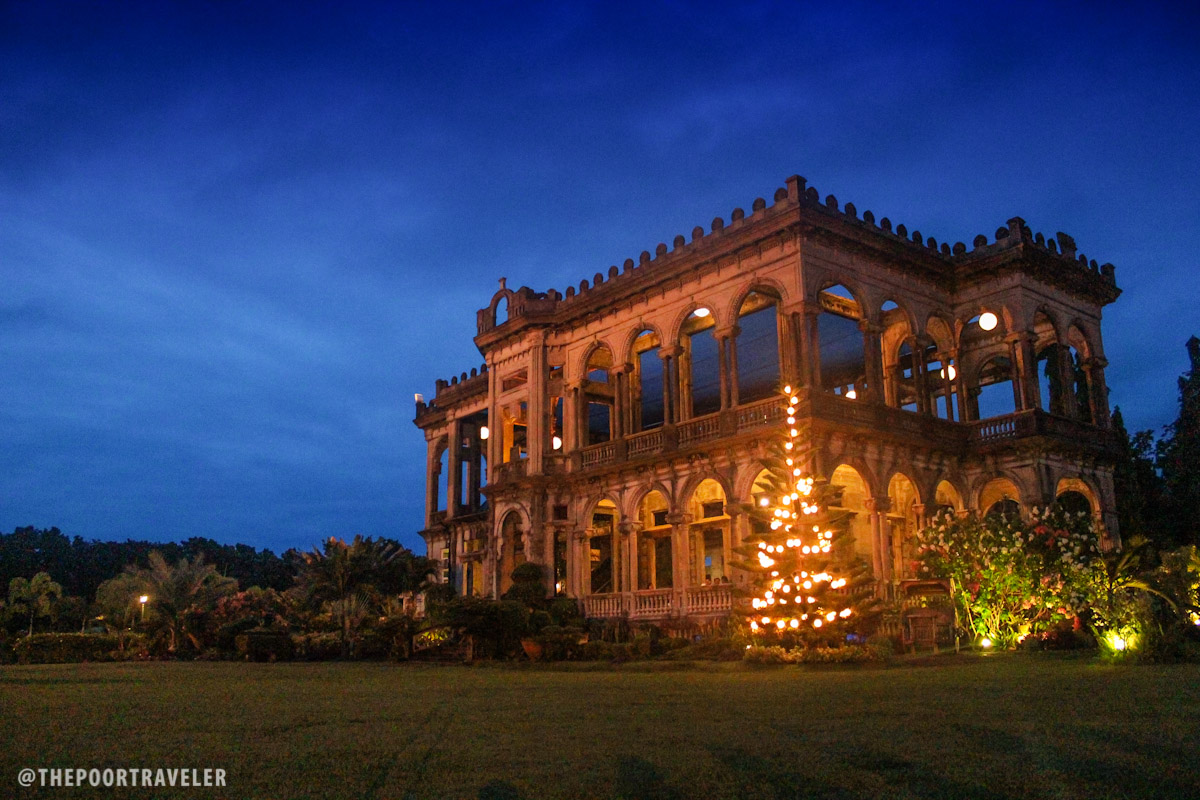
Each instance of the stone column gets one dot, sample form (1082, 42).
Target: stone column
(671, 402)
(680, 569)
(628, 536)
(873, 354)
(723, 367)
(1097, 390)
(454, 465)
(733, 366)
(1066, 372)
(881, 556)
(620, 378)
(920, 383)
(1024, 361)
(810, 345)
(433, 469)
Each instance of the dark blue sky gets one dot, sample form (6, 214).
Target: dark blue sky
(235, 240)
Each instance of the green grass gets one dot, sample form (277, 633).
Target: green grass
(996, 727)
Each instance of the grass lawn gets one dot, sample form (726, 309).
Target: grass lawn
(995, 727)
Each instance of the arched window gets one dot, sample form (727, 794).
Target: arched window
(843, 358)
(647, 389)
(501, 311)
(1074, 502)
(700, 370)
(995, 385)
(1000, 497)
(512, 553)
(758, 347)
(598, 397)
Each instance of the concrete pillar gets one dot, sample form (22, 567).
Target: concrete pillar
(873, 354)
(454, 465)
(723, 368)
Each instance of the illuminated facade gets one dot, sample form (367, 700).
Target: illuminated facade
(626, 419)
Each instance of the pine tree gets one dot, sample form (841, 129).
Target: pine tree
(1179, 454)
(807, 585)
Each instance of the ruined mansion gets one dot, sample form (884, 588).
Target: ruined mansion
(616, 430)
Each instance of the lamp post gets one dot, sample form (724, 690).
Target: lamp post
(143, 600)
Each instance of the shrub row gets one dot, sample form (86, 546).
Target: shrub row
(850, 654)
(69, 648)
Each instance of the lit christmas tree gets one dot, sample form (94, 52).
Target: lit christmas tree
(807, 587)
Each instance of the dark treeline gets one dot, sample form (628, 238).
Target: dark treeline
(1157, 479)
(81, 565)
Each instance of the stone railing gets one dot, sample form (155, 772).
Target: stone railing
(603, 605)
(760, 413)
(652, 603)
(700, 429)
(708, 600)
(645, 442)
(598, 455)
(660, 603)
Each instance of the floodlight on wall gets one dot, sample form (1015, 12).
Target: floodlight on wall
(701, 312)
(484, 433)
(556, 443)
(987, 321)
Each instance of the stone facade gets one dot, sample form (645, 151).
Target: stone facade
(615, 430)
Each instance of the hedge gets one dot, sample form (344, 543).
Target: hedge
(72, 648)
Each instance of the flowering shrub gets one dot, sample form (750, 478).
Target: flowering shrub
(1008, 577)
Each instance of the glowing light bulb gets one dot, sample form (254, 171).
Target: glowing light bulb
(985, 642)
(988, 321)
(852, 395)
(701, 312)
(556, 443)
(484, 433)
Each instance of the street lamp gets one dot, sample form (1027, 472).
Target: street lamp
(143, 599)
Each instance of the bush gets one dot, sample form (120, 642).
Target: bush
(852, 654)
(72, 648)
(883, 646)
(596, 650)
(263, 644)
(559, 643)
(565, 611)
(722, 648)
(317, 646)
(539, 620)
(373, 645)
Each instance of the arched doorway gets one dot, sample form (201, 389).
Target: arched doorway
(654, 559)
(710, 534)
(902, 521)
(604, 556)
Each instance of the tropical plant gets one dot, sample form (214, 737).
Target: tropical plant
(350, 580)
(34, 597)
(177, 594)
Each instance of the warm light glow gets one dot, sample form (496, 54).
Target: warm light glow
(701, 312)
(985, 642)
(556, 442)
(484, 433)
(987, 321)
(853, 395)
(787, 389)
(144, 599)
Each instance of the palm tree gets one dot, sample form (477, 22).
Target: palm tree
(176, 591)
(353, 577)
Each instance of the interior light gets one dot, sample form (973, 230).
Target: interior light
(701, 312)
(484, 433)
(852, 394)
(556, 442)
(987, 320)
